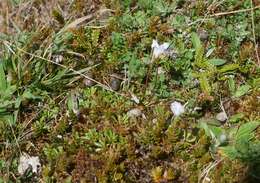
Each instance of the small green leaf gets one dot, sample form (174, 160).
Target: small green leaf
(18, 102)
(209, 52)
(228, 68)
(217, 61)
(27, 94)
(231, 85)
(199, 50)
(72, 102)
(211, 121)
(242, 90)
(196, 41)
(3, 83)
(204, 84)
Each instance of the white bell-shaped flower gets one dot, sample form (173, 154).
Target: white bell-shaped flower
(159, 50)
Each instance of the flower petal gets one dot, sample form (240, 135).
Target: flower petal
(165, 46)
(155, 44)
(177, 108)
(26, 161)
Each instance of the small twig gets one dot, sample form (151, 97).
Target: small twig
(124, 79)
(87, 18)
(234, 12)
(8, 47)
(96, 26)
(253, 31)
(78, 21)
(206, 171)
(149, 68)
(156, 80)
(205, 18)
(76, 54)
(208, 9)
(222, 107)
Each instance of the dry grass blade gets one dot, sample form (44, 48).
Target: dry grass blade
(204, 174)
(79, 21)
(253, 31)
(234, 12)
(208, 17)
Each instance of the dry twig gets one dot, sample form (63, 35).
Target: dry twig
(253, 31)
(234, 12)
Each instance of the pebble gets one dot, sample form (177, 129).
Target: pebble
(115, 83)
(89, 82)
(222, 117)
(203, 35)
(133, 113)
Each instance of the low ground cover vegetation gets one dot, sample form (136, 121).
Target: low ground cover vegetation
(129, 91)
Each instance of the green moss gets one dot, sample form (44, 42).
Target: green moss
(202, 147)
(206, 158)
(58, 16)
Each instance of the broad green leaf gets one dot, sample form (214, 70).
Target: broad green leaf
(228, 151)
(232, 132)
(245, 130)
(217, 131)
(242, 90)
(211, 131)
(243, 144)
(236, 117)
(217, 61)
